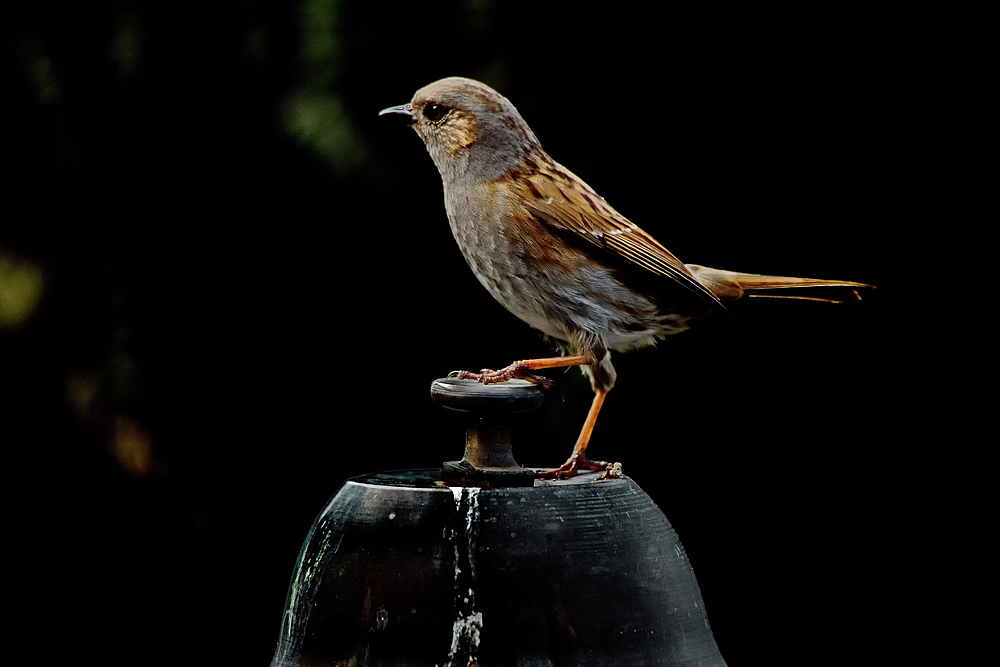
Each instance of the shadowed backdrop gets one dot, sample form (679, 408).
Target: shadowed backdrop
(226, 285)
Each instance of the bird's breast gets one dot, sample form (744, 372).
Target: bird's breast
(503, 259)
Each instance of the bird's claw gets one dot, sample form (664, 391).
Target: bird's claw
(574, 465)
(465, 375)
(517, 370)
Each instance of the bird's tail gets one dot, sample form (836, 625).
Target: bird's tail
(731, 285)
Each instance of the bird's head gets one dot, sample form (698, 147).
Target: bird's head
(470, 130)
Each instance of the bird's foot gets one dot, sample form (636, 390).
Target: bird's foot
(518, 370)
(572, 468)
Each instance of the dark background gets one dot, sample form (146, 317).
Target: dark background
(240, 283)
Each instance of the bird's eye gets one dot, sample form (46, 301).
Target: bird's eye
(435, 112)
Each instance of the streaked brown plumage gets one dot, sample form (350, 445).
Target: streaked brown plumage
(554, 253)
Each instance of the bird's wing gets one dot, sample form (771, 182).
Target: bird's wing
(559, 199)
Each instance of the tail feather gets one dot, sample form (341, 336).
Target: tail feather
(732, 285)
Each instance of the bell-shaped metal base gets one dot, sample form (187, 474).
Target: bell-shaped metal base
(401, 570)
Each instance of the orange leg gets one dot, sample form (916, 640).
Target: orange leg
(578, 459)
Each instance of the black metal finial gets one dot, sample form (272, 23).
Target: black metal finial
(489, 459)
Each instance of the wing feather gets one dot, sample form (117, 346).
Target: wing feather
(557, 198)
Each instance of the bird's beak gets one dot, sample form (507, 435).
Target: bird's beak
(402, 109)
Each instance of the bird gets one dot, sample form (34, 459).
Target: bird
(556, 255)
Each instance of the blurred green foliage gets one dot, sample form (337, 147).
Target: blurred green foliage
(314, 113)
(21, 284)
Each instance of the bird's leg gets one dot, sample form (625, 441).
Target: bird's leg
(522, 370)
(578, 459)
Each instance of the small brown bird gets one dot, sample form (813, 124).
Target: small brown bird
(554, 253)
